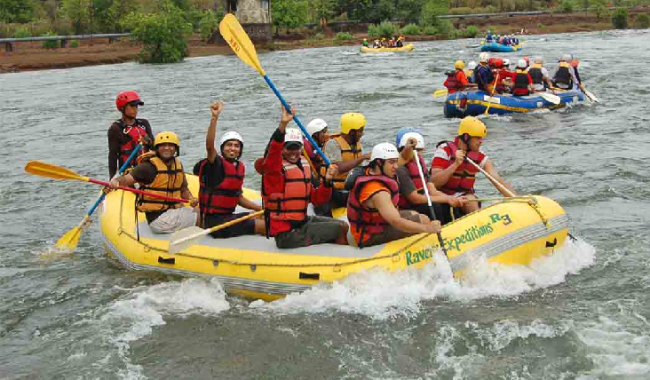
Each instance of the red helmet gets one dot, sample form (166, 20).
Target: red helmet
(126, 97)
(496, 62)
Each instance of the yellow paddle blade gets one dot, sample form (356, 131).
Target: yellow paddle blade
(339, 212)
(441, 92)
(52, 171)
(232, 31)
(70, 240)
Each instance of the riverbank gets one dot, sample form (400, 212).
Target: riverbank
(28, 56)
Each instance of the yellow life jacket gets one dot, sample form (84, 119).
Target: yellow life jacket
(348, 153)
(168, 182)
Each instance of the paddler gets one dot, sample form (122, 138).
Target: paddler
(565, 76)
(127, 132)
(287, 191)
(161, 172)
(539, 75)
(221, 178)
(317, 128)
(453, 174)
(372, 207)
(457, 80)
(411, 188)
(523, 83)
(483, 76)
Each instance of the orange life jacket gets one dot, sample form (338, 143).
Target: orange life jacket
(348, 153)
(223, 198)
(291, 205)
(168, 182)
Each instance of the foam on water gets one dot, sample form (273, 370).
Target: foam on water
(382, 295)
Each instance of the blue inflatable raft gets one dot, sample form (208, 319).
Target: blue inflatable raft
(499, 48)
(474, 103)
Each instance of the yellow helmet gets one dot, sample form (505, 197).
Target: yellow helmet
(472, 126)
(352, 120)
(459, 65)
(166, 137)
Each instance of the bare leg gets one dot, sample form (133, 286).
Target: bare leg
(470, 206)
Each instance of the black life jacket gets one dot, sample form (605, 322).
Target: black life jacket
(536, 75)
(563, 76)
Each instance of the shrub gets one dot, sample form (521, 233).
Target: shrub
(164, 35)
(22, 32)
(446, 29)
(209, 24)
(540, 25)
(386, 29)
(430, 30)
(410, 30)
(619, 19)
(343, 36)
(52, 44)
(74, 44)
(470, 32)
(567, 6)
(319, 36)
(642, 21)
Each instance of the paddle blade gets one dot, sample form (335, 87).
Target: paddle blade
(550, 98)
(232, 31)
(70, 240)
(183, 239)
(592, 96)
(439, 93)
(52, 171)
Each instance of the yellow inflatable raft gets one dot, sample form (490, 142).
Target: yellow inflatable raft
(407, 48)
(511, 232)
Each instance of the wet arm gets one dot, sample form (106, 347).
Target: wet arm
(383, 203)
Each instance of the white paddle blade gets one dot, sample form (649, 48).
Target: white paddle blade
(550, 98)
(592, 96)
(183, 239)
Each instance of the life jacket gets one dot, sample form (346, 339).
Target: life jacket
(348, 153)
(452, 82)
(412, 167)
(313, 156)
(133, 133)
(574, 63)
(168, 182)
(368, 220)
(465, 175)
(223, 198)
(291, 205)
(563, 75)
(521, 83)
(536, 75)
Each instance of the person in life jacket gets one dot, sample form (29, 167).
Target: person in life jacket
(127, 132)
(523, 83)
(453, 174)
(456, 80)
(399, 42)
(411, 186)
(287, 190)
(345, 150)
(161, 172)
(317, 129)
(365, 42)
(483, 76)
(469, 72)
(565, 76)
(574, 63)
(504, 75)
(221, 179)
(373, 204)
(539, 75)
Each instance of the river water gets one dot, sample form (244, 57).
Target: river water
(580, 314)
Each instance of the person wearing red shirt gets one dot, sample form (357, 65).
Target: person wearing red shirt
(457, 80)
(523, 83)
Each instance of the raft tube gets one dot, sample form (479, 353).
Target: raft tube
(406, 48)
(474, 103)
(500, 48)
(514, 232)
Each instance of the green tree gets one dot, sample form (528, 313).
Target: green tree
(118, 12)
(163, 34)
(601, 8)
(431, 10)
(20, 11)
(642, 21)
(289, 14)
(319, 9)
(619, 19)
(78, 11)
(409, 10)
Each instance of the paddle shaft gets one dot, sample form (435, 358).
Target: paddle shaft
(426, 192)
(216, 228)
(154, 195)
(494, 181)
(295, 118)
(492, 94)
(120, 171)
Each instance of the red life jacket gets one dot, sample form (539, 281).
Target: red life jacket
(465, 175)
(316, 160)
(368, 220)
(134, 133)
(452, 83)
(291, 205)
(222, 199)
(415, 176)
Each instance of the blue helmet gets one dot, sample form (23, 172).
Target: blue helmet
(402, 137)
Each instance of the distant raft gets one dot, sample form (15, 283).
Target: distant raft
(512, 232)
(500, 48)
(474, 103)
(405, 48)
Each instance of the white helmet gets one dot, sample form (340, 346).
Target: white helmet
(293, 135)
(384, 151)
(521, 64)
(539, 60)
(412, 135)
(483, 57)
(471, 65)
(506, 62)
(566, 58)
(315, 126)
(232, 135)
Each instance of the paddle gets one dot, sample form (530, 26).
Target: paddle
(57, 172)
(441, 92)
(549, 97)
(591, 96)
(493, 89)
(70, 239)
(183, 239)
(232, 31)
(426, 192)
